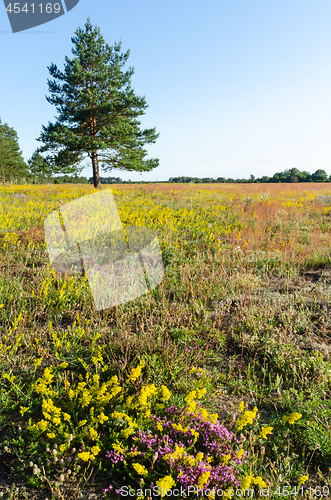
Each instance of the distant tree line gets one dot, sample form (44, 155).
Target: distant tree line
(292, 175)
(37, 170)
(108, 180)
(289, 175)
(67, 179)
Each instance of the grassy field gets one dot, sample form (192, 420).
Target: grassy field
(218, 378)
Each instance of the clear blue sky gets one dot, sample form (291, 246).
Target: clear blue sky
(235, 87)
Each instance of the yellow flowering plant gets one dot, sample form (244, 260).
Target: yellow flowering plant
(263, 438)
(93, 418)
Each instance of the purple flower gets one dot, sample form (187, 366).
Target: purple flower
(213, 440)
(114, 456)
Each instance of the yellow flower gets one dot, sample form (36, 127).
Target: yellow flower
(259, 481)
(166, 394)
(177, 427)
(303, 479)
(48, 375)
(191, 396)
(118, 447)
(102, 418)
(51, 435)
(246, 482)
(85, 455)
(62, 447)
(41, 386)
(192, 406)
(247, 418)
(140, 469)
(265, 431)
(179, 452)
(145, 393)
(135, 373)
(81, 423)
(37, 362)
(93, 433)
(242, 407)
(226, 458)
(204, 413)
(127, 432)
(66, 416)
(71, 393)
(188, 459)
(240, 453)
(213, 418)
(48, 406)
(56, 420)
(292, 418)
(201, 392)
(115, 391)
(159, 427)
(95, 450)
(133, 453)
(41, 425)
(192, 370)
(118, 415)
(203, 479)
(165, 484)
(129, 401)
(80, 386)
(85, 399)
(195, 434)
(23, 409)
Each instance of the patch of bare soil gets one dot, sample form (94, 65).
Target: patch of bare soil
(312, 288)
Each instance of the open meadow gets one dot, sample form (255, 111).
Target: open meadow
(219, 378)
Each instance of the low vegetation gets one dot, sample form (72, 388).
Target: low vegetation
(219, 378)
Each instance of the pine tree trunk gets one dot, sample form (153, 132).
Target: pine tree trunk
(95, 166)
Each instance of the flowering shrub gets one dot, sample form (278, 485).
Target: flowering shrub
(130, 428)
(190, 448)
(167, 446)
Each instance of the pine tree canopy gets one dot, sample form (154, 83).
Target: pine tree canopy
(12, 164)
(38, 166)
(98, 111)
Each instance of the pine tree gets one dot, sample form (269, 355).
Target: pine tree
(12, 164)
(39, 167)
(97, 109)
